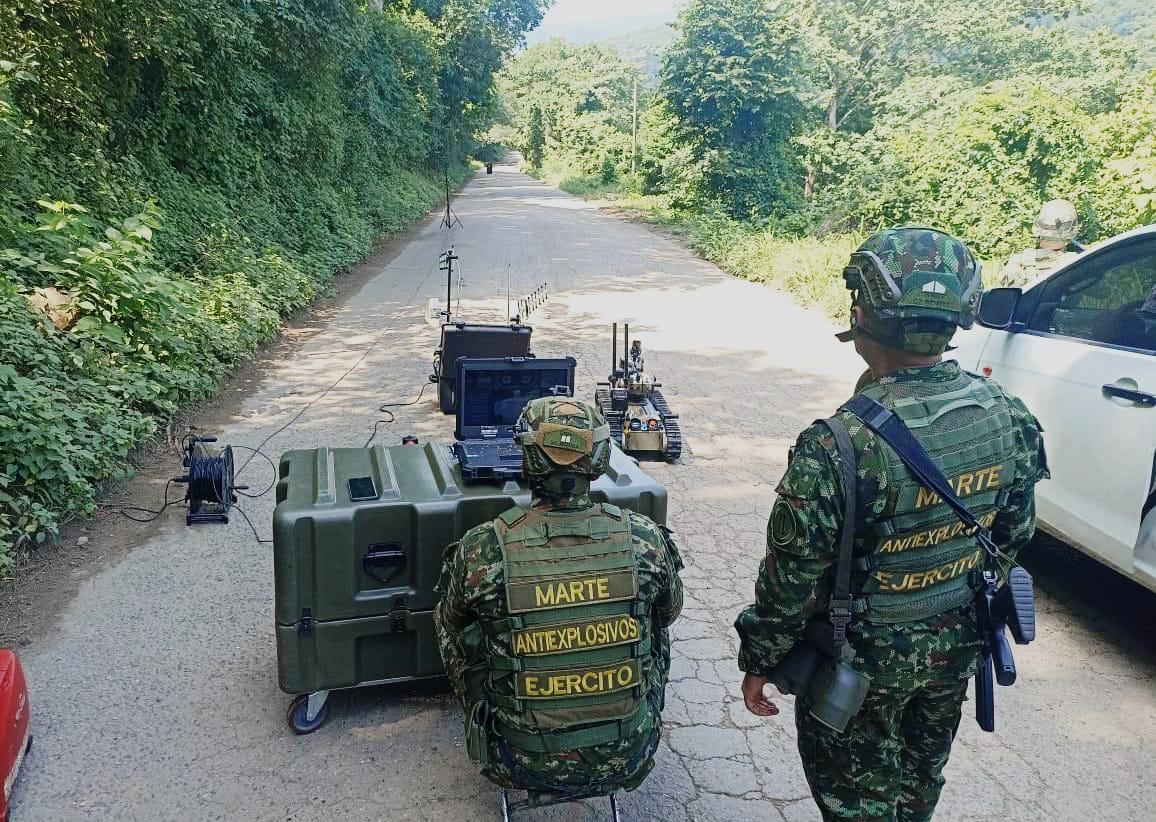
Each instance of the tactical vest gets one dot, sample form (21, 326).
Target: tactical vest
(917, 557)
(569, 661)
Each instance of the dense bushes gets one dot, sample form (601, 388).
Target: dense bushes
(980, 164)
(175, 176)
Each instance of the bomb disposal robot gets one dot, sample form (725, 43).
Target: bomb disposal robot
(641, 422)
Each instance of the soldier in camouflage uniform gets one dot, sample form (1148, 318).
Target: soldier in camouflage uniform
(913, 632)
(553, 622)
(1055, 229)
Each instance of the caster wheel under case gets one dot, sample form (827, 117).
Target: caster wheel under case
(298, 716)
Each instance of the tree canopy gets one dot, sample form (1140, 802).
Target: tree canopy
(833, 115)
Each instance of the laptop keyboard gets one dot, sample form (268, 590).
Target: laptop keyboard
(504, 451)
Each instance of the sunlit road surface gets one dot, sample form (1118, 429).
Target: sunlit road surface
(155, 694)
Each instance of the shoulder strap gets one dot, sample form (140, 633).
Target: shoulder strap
(840, 602)
(513, 516)
(891, 430)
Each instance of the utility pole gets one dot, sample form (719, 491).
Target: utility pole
(634, 134)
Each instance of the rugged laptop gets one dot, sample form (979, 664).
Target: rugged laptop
(491, 394)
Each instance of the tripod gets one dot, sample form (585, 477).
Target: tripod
(450, 219)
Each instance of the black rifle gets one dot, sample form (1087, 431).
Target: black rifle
(1011, 606)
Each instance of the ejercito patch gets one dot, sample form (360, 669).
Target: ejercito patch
(784, 526)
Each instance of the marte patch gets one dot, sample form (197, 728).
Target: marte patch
(784, 525)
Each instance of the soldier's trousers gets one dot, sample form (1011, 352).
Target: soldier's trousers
(887, 766)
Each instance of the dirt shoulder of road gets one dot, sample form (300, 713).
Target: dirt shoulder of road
(45, 580)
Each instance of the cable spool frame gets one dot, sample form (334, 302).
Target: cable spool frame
(211, 482)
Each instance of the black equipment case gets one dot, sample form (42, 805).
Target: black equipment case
(473, 341)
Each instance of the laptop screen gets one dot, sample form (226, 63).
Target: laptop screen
(492, 393)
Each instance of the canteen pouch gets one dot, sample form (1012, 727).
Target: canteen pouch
(836, 694)
(478, 733)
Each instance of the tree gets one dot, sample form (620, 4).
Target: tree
(474, 38)
(574, 103)
(861, 49)
(535, 139)
(730, 84)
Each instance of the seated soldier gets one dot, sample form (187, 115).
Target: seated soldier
(553, 622)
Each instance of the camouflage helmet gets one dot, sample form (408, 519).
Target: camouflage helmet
(565, 443)
(916, 286)
(1057, 220)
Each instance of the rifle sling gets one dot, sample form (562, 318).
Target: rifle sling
(840, 602)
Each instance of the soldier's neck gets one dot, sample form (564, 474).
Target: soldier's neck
(570, 502)
(884, 361)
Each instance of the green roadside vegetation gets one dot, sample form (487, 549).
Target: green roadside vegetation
(778, 135)
(176, 177)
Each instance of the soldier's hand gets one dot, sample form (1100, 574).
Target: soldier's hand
(755, 697)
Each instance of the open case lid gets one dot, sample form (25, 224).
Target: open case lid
(492, 392)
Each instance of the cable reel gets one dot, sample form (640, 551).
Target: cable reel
(210, 480)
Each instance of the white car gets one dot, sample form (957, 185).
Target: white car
(1079, 348)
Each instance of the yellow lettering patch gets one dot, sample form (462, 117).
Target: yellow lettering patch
(895, 582)
(566, 592)
(568, 682)
(604, 632)
(931, 537)
(973, 482)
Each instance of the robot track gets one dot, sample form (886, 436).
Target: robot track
(673, 449)
(613, 418)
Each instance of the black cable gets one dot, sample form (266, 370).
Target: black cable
(272, 465)
(384, 409)
(385, 406)
(256, 536)
(320, 396)
(378, 425)
(122, 509)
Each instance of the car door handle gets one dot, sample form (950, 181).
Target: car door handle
(1140, 398)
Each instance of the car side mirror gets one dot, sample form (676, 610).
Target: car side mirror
(997, 307)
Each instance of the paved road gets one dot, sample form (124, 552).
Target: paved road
(156, 697)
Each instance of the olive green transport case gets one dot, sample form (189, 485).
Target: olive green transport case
(358, 539)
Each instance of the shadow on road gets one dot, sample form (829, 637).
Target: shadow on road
(1097, 598)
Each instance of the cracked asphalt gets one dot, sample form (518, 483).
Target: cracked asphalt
(154, 694)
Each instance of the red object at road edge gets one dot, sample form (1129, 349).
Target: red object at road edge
(14, 726)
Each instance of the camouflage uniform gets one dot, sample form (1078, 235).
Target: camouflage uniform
(896, 747)
(887, 765)
(474, 589)
(1027, 265)
(1057, 222)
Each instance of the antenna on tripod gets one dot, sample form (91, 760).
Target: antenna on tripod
(450, 219)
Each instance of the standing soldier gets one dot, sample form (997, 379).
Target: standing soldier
(553, 622)
(912, 632)
(1055, 229)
